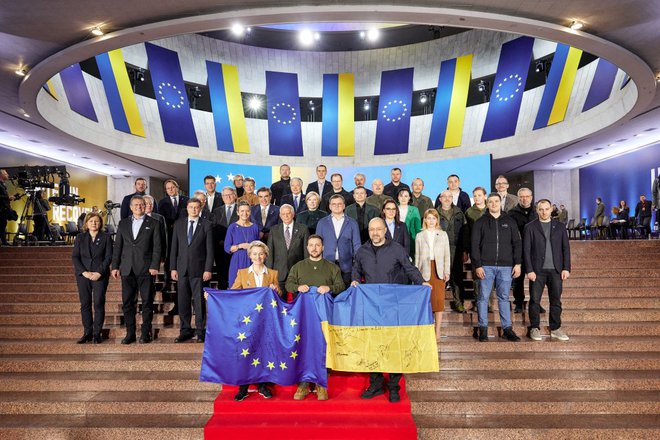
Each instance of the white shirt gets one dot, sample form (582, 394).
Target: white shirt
(175, 200)
(337, 223)
(136, 225)
(209, 200)
(430, 236)
(403, 213)
(454, 197)
(258, 277)
(321, 183)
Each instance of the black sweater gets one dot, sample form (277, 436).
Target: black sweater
(496, 241)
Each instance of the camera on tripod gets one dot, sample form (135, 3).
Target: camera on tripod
(109, 205)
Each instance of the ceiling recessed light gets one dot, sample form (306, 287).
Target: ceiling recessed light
(373, 34)
(363, 35)
(20, 72)
(26, 115)
(306, 37)
(238, 29)
(97, 31)
(577, 25)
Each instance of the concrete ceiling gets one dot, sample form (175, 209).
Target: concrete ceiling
(33, 31)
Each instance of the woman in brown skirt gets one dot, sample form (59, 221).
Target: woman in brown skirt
(432, 258)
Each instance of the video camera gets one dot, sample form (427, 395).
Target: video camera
(109, 205)
(33, 178)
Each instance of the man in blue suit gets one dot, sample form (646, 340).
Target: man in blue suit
(341, 237)
(264, 214)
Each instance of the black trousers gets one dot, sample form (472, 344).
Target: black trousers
(552, 279)
(519, 288)
(222, 260)
(190, 288)
(92, 294)
(41, 230)
(3, 227)
(130, 286)
(376, 380)
(456, 277)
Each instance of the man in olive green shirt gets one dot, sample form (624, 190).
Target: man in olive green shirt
(419, 200)
(378, 198)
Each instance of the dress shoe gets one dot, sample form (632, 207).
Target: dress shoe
(321, 392)
(84, 338)
(128, 340)
(145, 338)
(372, 392)
(394, 396)
(541, 309)
(518, 309)
(242, 393)
(510, 335)
(200, 339)
(475, 332)
(302, 391)
(173, 312)
(483, 334)
(183, 337)
(265, 391)
(97, 339)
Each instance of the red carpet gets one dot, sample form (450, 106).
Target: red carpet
(344, 416)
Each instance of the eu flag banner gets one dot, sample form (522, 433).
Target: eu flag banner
(170, 92)
(558, 87)
(283, 105)
(450, 103)
(118, 90)
(394, 108)
(338, 137)
(380, 327)
(227, 105)
(507, 89)
(76, 92)
(253, 336)
(601, 84)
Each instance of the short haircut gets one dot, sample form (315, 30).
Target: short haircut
(194, 200)
(396, 169)
(248, 180)
(316, 236)
(198, 195)
(599, 199)
(377, 220)
(359, 174)
(135, 197)
(321, 165)
(287, 206)
(494, 194)
(239, 176)
(416, 179)
(453, 175)
(229, 188)
(434, 213)
(337, 174)
(243, 203)
(480, 188)
(336, 196)
(360, 187)
(523, 190)
(297, 179)
(544, 201)
(265, 189)
(89, 216)
(173, 182)
(284, 165)
(148, 198)
(209, 177)
(140, 178)
(257, 244)
(501, 177)
(402, 190)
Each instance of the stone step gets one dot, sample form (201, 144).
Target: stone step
(165, 345)
(46, 287)
(649, 272)
(133, 360)
(533, 402)
(605, 282)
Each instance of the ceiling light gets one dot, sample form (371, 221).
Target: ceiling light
(366, 106)
(20, 72)
(97, 31)
(254, 104)
(423, 98)
(373, 34)
(363, 35)
(306, 37)
(238, 29)
(317, 36)
(576, 25)
(26, 115)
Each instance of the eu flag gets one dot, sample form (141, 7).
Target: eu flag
(284, 131)
(76, 92)
(601, 85)
(507, 89)
(252, 336)
(171, 96)
(394, 107)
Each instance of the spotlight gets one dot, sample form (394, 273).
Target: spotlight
(196, 92)
(423, 98)
(482, 86)
(363, 35)
(254, 104)
(139, 75)
(539, 66)
(366, 105)
(373, 34)
(317, 36)
(97, 31)
(20, 72)
(577, 25)
(248, 30)
(26, 115)
(237, 29)
(310, 105)
(306, 37)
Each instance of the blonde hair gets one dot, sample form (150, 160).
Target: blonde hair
(89, 216)
(258, 244)
(434, 213)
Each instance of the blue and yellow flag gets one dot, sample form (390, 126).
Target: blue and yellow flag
(507, 89)
(380, 328)
(394, 108)
(283, 106)
(76, 92)
(338, 115)
(559, 85)
(450, 103)
(601, 84)
(252, 336)
(50, 88)
(171, 96)
(227, 105)
(118, 90)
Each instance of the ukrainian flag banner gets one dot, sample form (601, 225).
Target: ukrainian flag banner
(50, 88)
(283, 106)
(450, 103)
(338, 137)
(227, 105)
(253, 336)
(380, 328)
(601, 84)
(171, 96)
(118, 90)
(507, 89)
(76, 92)
(558, 87)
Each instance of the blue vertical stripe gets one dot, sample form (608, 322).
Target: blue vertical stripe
(552, 85)
(112, 93)
(77, 93)
(283, 106)
(442, 104)
(601, 85)
(330, 136)
(394, 108)
(219, 106)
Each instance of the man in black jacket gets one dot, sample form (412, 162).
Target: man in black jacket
(522, 213)
(496, 256)
(191, 262)
(282, 186)
(386, 262)
(140, 190)
(459, 197)
(548, 261)
(136, 256)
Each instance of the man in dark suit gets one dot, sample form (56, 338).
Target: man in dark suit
(643, 214)
(192, 264)
(337, 182)
(282, 186)
(296, 198)
(173, 205)
(548, 261)
(392, 188)
(320, 186)
(264, 214)
(287, 243)
(149, 203)
(140, 190)
(362, 212)
(224, 216)
(136, 256)
(213, 198)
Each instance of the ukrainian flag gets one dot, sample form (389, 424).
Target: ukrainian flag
(118, 90)
(450, 103)
(50, 88)
(338, 137)
(558, 87)
(227, 104)
(380, 328)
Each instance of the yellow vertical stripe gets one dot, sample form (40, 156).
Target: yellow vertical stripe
(459, 94)
(126, 92)
(235, 109)
(345, 115)
(51, 88)
(560, 105)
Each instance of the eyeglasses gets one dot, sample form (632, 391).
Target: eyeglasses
(389, 209)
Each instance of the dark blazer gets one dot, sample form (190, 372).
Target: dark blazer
(314, 186)
(164, 239)
(91, 256)
(393, 191)
(534, 243)
(197, 257)
(140, 254)
(401, 235)
(463, 201)
(288, 199)
(643, 209)
(125, 210)
(272, 217)
(166, 209)
(217, 201)
(282, 259)
(221, 222)
(370, 211)
(325, 200)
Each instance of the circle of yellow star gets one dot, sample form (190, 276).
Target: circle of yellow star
(241, 336)
(297, 338)
(245, 352)
(255, 362)
(273, 303)
(294, 354)
(293, 323)
(270, 365)
(259, 307)
(283, 365)
(246, 320)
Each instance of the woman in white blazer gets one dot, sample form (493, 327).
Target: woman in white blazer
(432, 258)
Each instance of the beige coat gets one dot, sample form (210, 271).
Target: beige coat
(441, 252)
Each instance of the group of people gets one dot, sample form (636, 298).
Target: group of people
(327, 237)
(621, 220)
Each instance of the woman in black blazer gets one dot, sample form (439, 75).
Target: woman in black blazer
(92, 255)
(390, 213)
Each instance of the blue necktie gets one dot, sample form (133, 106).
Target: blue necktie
(295, 203)
(190, 232)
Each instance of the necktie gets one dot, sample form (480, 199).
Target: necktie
(190, 232)
(228, 214)
(263, 216)
(175, 203)
(287, 236)
(295, 203)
